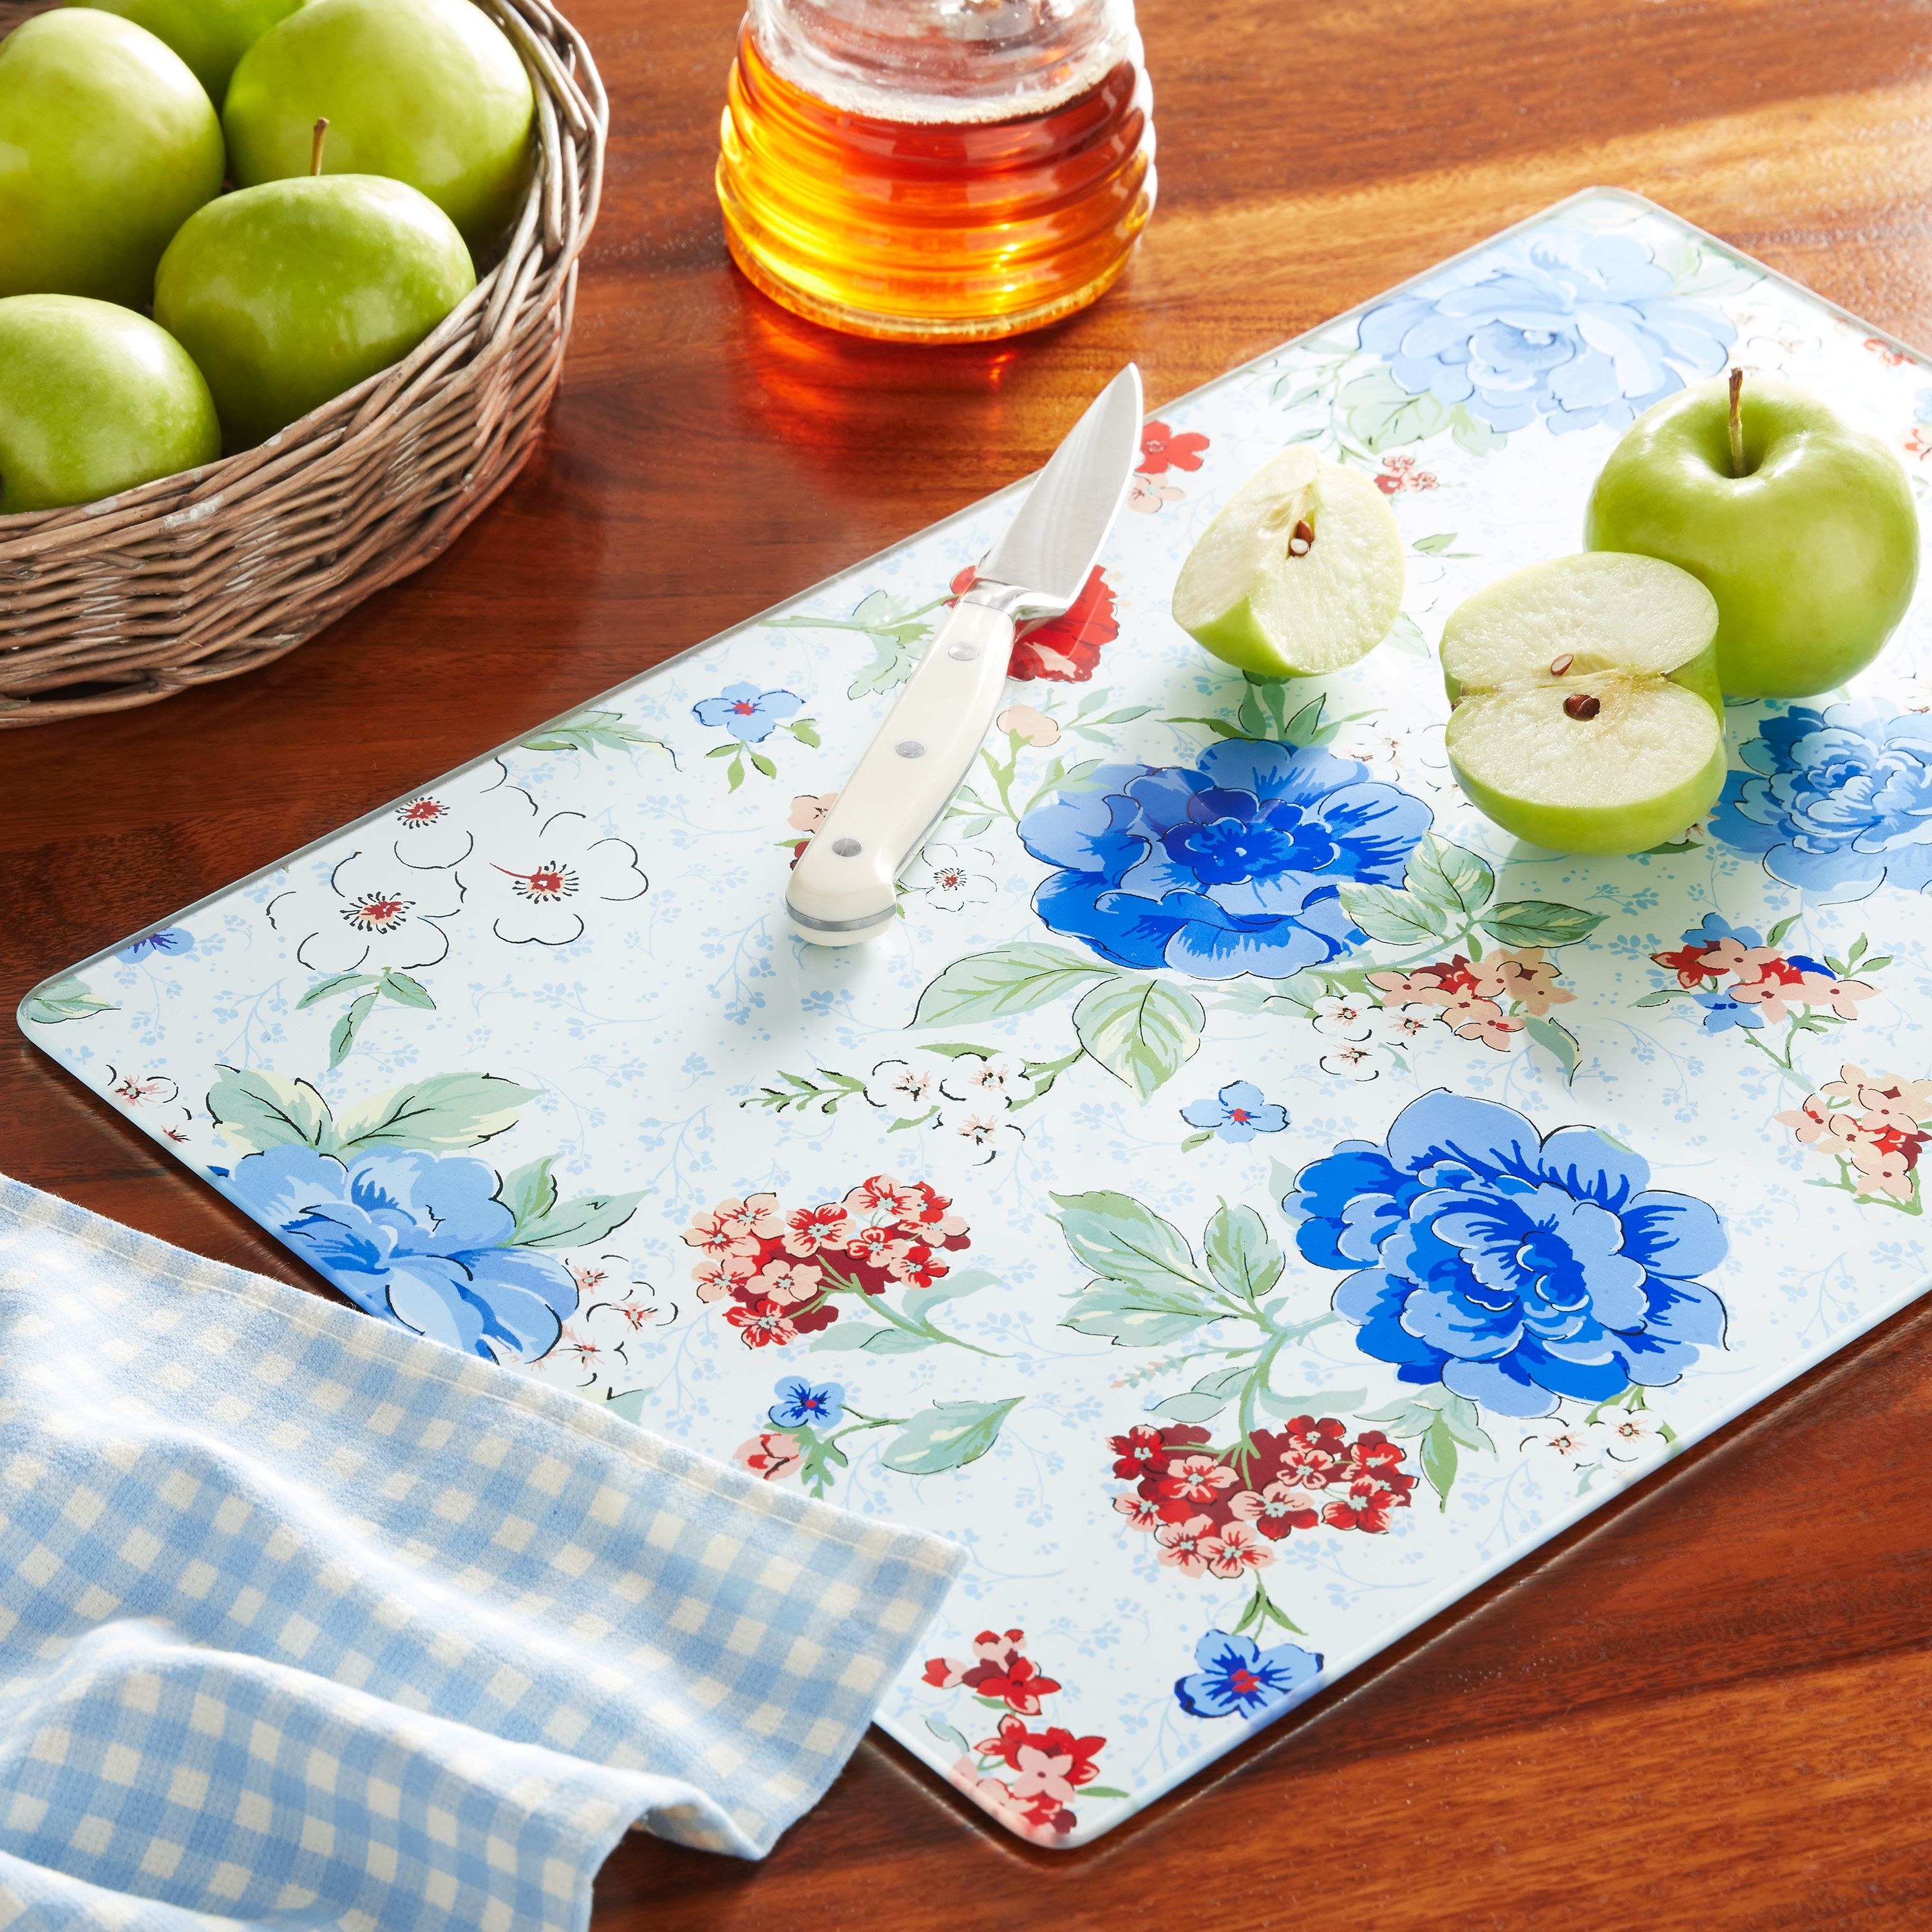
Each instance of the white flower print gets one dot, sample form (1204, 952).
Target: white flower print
(1401, 1025)
(369, 912)
(1562, 1438)
(1000, 1082)
(1345, 1016)
(945, 874)
(537, 885)
(906, 1092)
(605, 1344)
(980, 1128)
(1628, 1435)
(429, 830)
(1358, 1060)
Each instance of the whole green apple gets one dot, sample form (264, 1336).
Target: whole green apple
(94, 399)
(107, 145)
(211, 35)
(427, 91)
(1809, 542)
(287, 294)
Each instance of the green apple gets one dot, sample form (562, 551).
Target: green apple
(107, 145)
(427, 91)
(1301, 573)
(1586, 715)
(94, 399)
(211, 35)
(287, 294)
(1810, 544)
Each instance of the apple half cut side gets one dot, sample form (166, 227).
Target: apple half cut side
(1301, 573)
(1585, 712)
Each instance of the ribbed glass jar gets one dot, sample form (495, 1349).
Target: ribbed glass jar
(925, 170)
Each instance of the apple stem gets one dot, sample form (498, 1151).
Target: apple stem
(321, 135)
(1737, 423)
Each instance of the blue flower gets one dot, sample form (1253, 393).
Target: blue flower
(750, 715)
(1232, 866)
(1237, 1113)
(801, 1404)
(1712, 927)
(169, 939)
(1582, 329)
(1838, 801)
(1511, 1268)
(1238, 1679)
(1722, 1012)
(419, 1238)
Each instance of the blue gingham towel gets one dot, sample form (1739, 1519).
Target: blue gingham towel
(306, 1622)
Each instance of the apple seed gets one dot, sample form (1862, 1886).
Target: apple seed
(1581, 706)
(1303, 540)
(1560, 664)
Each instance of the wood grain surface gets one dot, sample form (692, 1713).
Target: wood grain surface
(1709, 1707)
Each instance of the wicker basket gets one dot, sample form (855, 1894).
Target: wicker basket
(210, 573)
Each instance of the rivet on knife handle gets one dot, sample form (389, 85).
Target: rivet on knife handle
(843, 889)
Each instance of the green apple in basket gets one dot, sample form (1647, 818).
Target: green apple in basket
(94, 399)
(1803, 528)
(290, 293)
(211, 35)
(1301, 573)
(1586, 715)
(107, 145)
(427, 91)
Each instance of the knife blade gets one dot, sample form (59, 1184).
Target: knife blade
(842, 891)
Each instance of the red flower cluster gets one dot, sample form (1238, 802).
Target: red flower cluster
(1064, 649)
(1762, 977)
(779, 1271)
(1216, 1515)
(1052, 1765)
(996, 1672)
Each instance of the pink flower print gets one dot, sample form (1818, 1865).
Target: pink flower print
(1484, 1020)
(773, 1457)
(877, 1247)
(755, 1218)
(1893, 359)
(1196, 1479)
(1146, 496)
(787, 1282)
(1842, 996)
(1181, 1544)
(1278, 1509)
(1399, 473)
(1236, 1550)
(1024, 721)
(1140, 1513)
(809, 1229)
(809, 809)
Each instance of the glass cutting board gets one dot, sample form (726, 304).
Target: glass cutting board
(1246, 1229)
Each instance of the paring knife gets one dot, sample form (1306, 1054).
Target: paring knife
(842, 893)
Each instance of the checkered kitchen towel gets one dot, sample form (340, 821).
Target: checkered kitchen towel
(306, 1622)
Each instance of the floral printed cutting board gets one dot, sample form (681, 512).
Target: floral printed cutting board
(1248, 1200)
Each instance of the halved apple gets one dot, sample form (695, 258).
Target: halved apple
(1586, 715)
(1301, 573)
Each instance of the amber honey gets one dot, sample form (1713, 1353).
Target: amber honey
(928, 229)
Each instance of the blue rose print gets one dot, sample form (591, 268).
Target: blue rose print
(1237, 1113)
(1510, 1268)
(802, 1404)
(1237, 1677)
(419, 1239)
(1232, 865)
(1581, 329)
(168, 939)
(1839, 801)
(749, 715)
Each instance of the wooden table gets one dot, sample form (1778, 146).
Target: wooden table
(1710, 1706)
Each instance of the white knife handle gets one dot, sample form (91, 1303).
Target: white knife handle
(842, 891)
